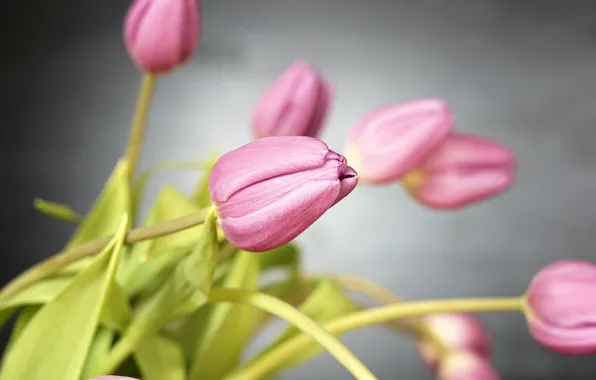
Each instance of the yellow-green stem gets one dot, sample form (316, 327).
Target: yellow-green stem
(58, 261)
(384, 296)
(283, 352)
(298, 319)
(137, 128)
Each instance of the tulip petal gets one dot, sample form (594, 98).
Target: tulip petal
(321, 110)
(271, 226)
(388, 142)
(568, 341)
(458, 188)
(557, 294)
(263, 159)
(287, 107)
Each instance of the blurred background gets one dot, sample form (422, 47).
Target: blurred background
(521, 72)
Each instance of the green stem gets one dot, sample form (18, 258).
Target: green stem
(58, 261)
(286, 350)
(137, 128)
(414, 327)
(298, 319)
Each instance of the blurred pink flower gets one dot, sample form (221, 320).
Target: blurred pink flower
(295, 105)
(456, 332)
(466, 365)
(269, 191)
(464, 170)
(386, 143)
(561, 307)
(161, 34)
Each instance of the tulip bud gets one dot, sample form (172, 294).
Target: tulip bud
(161, 34)
(112, 378)
(466, 365)
(456, 332)
(386, 143)
(561, 307)
(465, 169)
(295, 105)
(269, 191)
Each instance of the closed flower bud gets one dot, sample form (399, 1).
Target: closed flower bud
(456, 332)
(386, 143)
(466, 365)
(161, 34)
(269, 191)
(561, 307)
(112, 378)
(464, 170)
(295, 105)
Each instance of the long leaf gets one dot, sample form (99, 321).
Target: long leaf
(106, 214)
(201, 195)
(98, 352)
(228, 327)
(139, 187)
(56, 341)
(160, 358)
(38, 293)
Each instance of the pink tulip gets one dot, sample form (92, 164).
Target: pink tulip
(561, 307)
(466, 365)
(161, 34)
(295, 105)
(456, 332)
(386, 143)
(464, 170)
(269, 191)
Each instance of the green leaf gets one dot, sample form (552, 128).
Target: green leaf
(106, 214)
(40, 292)
(98, 352)
(23, 319)
(287, 257)
(57, 210)
(185, 291)
(150, 274)
(228, 327)
(140, 185)
(170, 204)
(160, 358)
(67, 324)
(326, 303)
(117, 313)
(201, 196)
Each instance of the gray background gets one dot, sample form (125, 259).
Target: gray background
(522, 72)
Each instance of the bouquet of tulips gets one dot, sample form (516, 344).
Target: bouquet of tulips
(180, 296)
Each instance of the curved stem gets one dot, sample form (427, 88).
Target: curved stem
(384, 296)
(137, 128)
(284, 351)
(299, 320)
(58, 261)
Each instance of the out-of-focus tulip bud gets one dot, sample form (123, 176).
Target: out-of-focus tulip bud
(112, 378)
(161, 34)
(295, 105)
(466, 365)
(269, 191)
(464, 170)
(386, 143)
(561, 307)
(456, 332)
